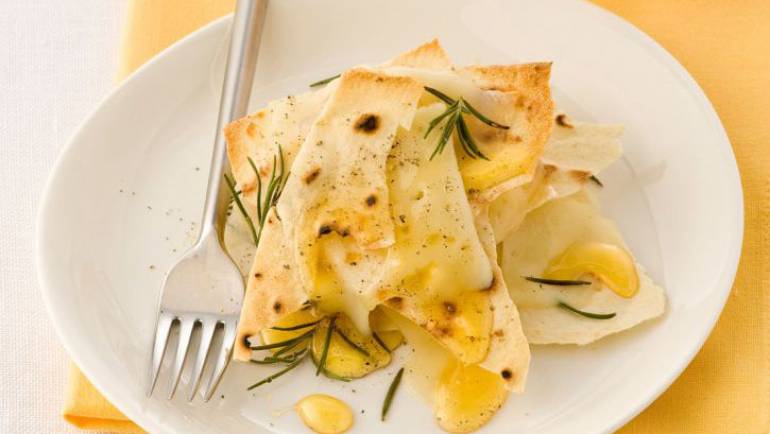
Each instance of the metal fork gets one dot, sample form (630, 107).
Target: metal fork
(205, 289)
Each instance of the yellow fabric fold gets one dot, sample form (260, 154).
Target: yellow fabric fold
(86, 408)
(724, 45)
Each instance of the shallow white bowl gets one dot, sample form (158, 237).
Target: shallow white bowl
(124, 197)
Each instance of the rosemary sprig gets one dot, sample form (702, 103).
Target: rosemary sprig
(391, 392)
(453, 119)
(380, 342)
(591, 315)
(325, 81)
(237, 199)
(557, 282)
(296, 327)
(352, 344)
(272, 377)
(327, 341)
(272, 192)
(291, 347)
(596, 180)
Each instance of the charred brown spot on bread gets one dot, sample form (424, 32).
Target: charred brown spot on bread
(257, 275)
(324, 230)
(396, 303)
(507, 374)
(499, 333)
(563, 121)
(371, 200)
(441, 331)
(367, 123)
(251, 130)
(312, 175)
(579, 175)
(548, 170)
(450, 307)
(277, 306)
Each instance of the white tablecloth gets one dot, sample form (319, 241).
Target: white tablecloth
(57, 61)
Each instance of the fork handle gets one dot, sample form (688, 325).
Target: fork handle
(245, 36)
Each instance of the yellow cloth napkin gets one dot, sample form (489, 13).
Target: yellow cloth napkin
(725, 46)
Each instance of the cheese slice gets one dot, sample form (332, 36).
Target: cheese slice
(509, 354)
(574, 152)
(545, 233)
(437, 271)
(463, 397)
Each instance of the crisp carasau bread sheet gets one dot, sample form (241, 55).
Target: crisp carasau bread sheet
(574, 152)
(545, 233)
(272, 289)
(283, 124)
(337, 187)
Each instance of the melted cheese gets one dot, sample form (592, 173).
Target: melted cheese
(435, 271)
(337, 190)
(546, 233)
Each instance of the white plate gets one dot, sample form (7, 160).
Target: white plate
(123, 199)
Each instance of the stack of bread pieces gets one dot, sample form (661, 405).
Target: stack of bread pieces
(377, 230)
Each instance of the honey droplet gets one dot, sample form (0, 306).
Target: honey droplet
(324, 414)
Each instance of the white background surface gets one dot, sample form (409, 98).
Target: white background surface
(57, 61)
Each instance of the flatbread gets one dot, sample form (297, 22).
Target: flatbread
(574, 152)
(283, 124)
(272, 289)
(545, 233)
(338, 187)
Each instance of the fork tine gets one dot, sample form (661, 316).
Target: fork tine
(222, 359)
(207, 334)
(185, 331)
(162, 329)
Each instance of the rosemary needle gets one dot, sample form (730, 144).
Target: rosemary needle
(296, 327)
(272, 377)
(596, 180)
(391, 393)
(453, 120)
(557, 282)
(327, 341)
(379, 341)
(352, 344)
(591, 315)
(237, 200)
(285, 343)
(325, 81)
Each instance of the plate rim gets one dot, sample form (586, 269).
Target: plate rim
(727, 276)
